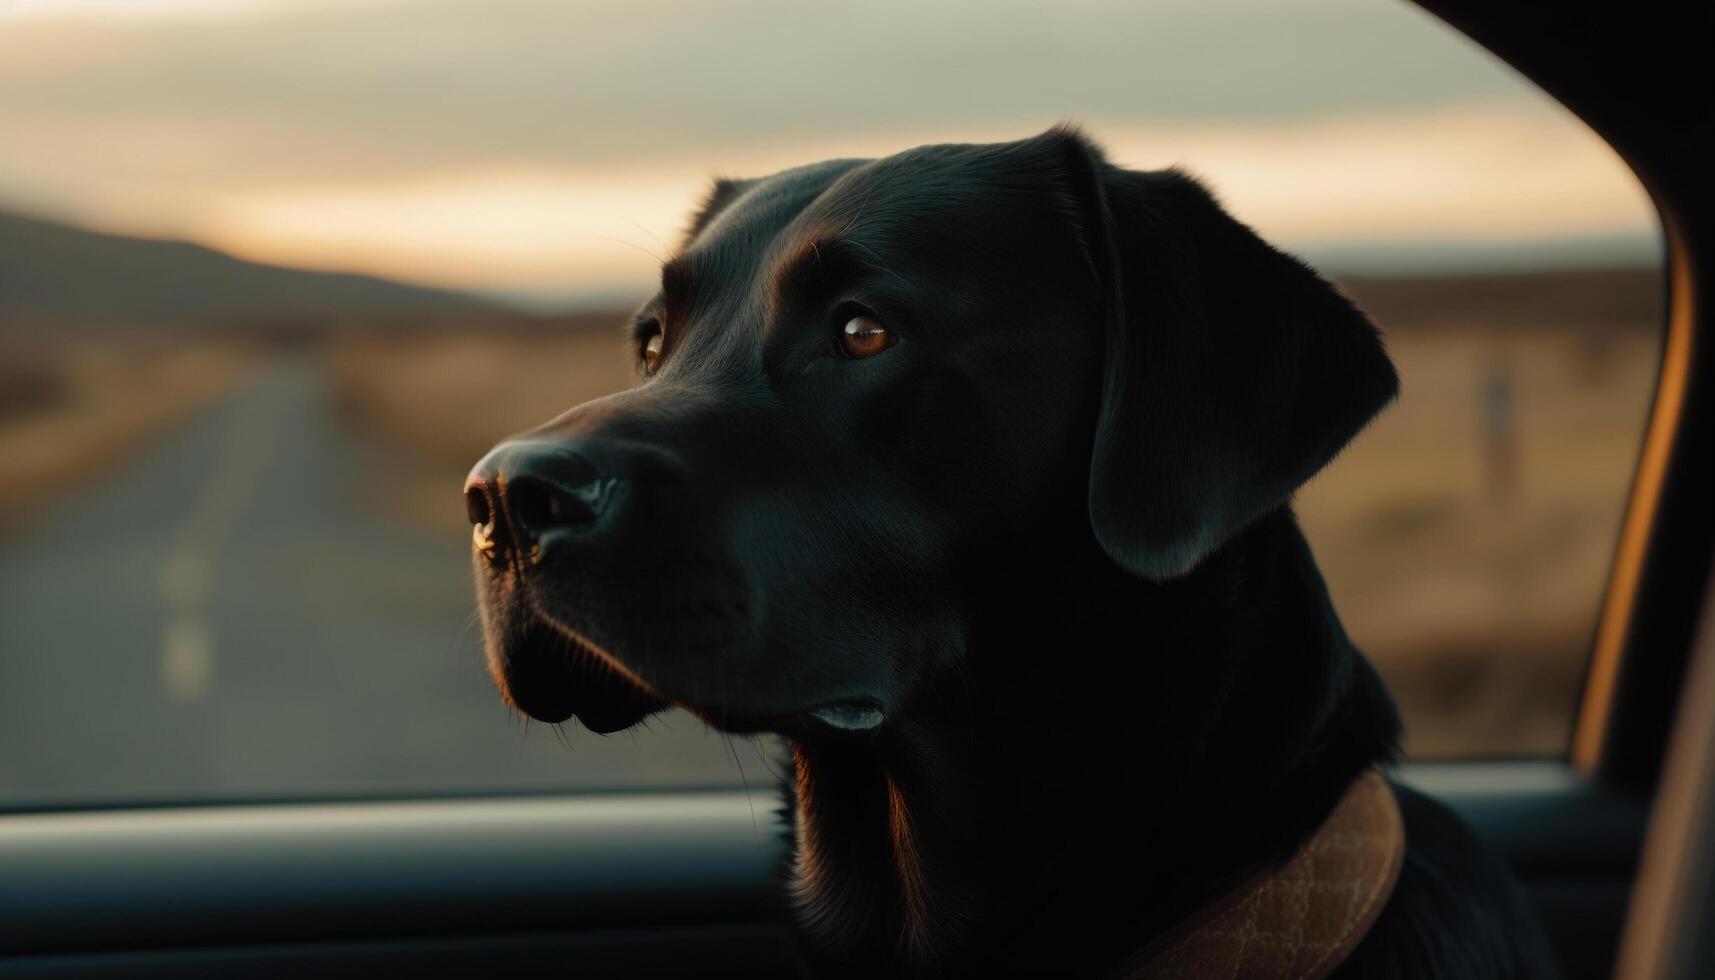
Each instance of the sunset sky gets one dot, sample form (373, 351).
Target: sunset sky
(550, 150)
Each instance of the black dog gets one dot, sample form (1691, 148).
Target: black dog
(968, 471)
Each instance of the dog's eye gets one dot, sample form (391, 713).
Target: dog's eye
(864, 336)
(652, 353)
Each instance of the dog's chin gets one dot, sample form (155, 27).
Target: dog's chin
(551, 676)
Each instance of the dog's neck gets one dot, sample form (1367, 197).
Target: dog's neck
(1153, 742)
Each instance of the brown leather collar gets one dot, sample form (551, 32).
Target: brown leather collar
(1301, 919)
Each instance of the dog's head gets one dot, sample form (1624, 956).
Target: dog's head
(872, 387)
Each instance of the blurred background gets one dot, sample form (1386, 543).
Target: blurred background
(274, 273)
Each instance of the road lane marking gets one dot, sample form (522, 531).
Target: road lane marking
(186, 579)
(187, 658)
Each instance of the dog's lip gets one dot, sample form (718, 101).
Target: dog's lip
(853, 716)
(844, 718)
(538, 684)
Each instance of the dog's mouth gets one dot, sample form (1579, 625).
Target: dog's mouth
(552, 673)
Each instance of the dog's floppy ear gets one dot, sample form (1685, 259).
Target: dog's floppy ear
(1233, 372)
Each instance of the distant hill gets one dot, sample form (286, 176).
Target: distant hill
(1553, 298)
(56, 273)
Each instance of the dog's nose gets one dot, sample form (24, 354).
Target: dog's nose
(530, 488)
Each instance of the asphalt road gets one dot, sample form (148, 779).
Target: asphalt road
(225, 618)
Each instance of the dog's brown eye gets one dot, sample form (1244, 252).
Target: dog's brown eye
(651, 353)
(864, 336)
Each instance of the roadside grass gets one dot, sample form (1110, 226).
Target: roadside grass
(1477, 596)
(436, 402)
(73, 409)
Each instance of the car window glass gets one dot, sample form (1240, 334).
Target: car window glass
(273, 275)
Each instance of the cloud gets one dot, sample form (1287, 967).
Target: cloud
(1474, 175)
(440, 84)
(532, 146)
(130, 9)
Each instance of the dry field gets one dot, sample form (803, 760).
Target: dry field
(74, 409)
(439, 401)
(1474, 592)
(1477, 599)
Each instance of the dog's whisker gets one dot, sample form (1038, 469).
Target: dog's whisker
(880, 266)
(763, 747)
(620, 241)
(640, 226)
(733, 751)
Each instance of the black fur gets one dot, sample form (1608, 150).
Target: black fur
(1044, 540)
